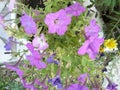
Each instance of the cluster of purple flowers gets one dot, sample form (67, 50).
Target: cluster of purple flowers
(93, 41)
(58, 22)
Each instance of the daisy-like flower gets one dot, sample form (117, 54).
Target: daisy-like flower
(110, 43)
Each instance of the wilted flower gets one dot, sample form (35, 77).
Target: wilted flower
(40, 42)
(57, 22)
(75, 9)
(28, 23)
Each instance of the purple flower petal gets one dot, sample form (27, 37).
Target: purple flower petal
(51, 60)
(28, 23)
(56, 81)
(57, 22)
(75, 9)
(92, 29)
(16, 69)
(40, 42)
(83, 49)
(82, 78)
(9, 43)
(77, 87)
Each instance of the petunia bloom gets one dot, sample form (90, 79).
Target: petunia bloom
(92, 30)
(57, 22)
(75, 9)
(56, 81)
(40, 42)
(28, 23)
(76, 87)
(9, 43)
(35, 57)
(16, 69)
(91, 47)
(82, 78)
(51, 60)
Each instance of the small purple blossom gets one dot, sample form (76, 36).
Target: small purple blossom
(91, 46)
(15, 68)
(76, 87)
(28, 23)
(8, 45)
(92, 30)
(57, 22)
(40, 42)
(35, 57)
(51, 60)
(56, 81)
(82, 78)
(75, 9)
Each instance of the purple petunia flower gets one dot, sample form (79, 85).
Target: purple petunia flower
(56, 81)
(76, 87)
(57, 22)
(92, 30)
(51, 59)
(28, 86)
(35, 57)
(8, 45)
(75, 9)
(40, 42)
(91, 46)
(16, 69)
(28, 23)
(82, 78)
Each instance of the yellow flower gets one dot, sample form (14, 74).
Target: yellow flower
(110, 43)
